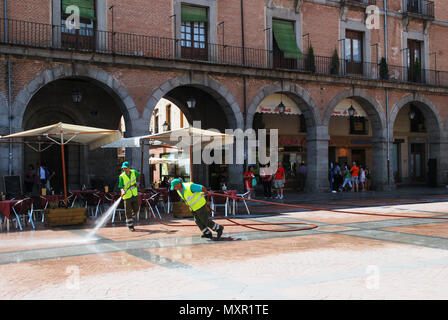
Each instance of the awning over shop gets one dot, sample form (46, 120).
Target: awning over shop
(196, 14)
(86, 7)
(286, 38)
(341, 110)
(70, 133)
(270, 103)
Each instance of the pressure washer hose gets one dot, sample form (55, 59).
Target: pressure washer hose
(310, 226)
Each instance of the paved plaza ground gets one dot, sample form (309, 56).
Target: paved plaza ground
(349, 256)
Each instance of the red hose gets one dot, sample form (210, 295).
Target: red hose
(310, 225)
(322, 209)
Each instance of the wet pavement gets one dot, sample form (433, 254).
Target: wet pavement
(349, 255)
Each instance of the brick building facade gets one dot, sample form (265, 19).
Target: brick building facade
(230, 56)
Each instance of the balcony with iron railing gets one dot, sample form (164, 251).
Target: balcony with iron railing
(422, 9)
(45, 36)
(359, 3)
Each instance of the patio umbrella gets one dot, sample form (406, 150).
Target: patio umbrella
(192, 136)
(155, 160)
(63, 133)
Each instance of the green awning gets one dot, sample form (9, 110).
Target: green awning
(86, 7)
(286, 39)
(196, 14)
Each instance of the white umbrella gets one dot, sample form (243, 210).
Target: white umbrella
(154, 160)
(63, 133)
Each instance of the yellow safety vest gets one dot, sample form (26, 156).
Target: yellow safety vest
(194, 200)
(130, 185)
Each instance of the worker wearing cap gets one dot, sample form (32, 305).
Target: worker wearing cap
(192, 195)
(129, 192)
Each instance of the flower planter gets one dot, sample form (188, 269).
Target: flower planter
(65, 216)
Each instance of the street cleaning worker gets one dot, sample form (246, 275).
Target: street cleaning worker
(129, 192)
(191, 194)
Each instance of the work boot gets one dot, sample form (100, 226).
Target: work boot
(219, 232)
(207, 235)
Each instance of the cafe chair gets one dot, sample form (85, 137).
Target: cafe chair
(237, 201)
(23, 210)
(151, 204)
(217, 201)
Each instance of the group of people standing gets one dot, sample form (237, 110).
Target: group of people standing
(349, 179)
(43, 172)
(268, 178)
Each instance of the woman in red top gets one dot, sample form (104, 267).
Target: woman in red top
(248, 176)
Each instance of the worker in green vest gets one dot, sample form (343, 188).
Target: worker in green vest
(129, 192)
(193, 196)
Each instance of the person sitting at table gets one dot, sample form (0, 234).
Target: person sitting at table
(129, 192)
(165, 183)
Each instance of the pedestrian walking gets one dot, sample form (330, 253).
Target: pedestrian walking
(302, 176)
(193, 196)
(354, 170)
(279, 180)
(347, 178)
(250, 181)
(362, 178)
(266, 178)
(129, 192)
(337, 177)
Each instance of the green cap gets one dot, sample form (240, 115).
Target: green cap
(125, 165)
(174, 182)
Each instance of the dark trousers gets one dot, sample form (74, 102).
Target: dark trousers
(131, 207)
(267, 188)
(203, 221)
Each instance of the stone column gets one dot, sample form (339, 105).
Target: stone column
(317, 160)
(379, 173)
(56, 21)
(139, 128)
(438, 148)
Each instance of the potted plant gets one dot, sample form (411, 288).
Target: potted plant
(417, 71)
(310, 60)
(334, 65)
(384, 69)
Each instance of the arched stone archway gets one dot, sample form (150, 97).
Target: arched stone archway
(97, 77)
(437, 138)
(316, 137)
(218, 91)
(295, 92)
(226, 112)
(106, 81)
(381, 179)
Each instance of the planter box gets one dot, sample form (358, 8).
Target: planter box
(65, 216)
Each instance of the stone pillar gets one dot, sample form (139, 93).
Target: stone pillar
(56, 21)
(317, 160)
(443, 163)
(379, 173)
(101, 24)
(139, 128)
(438, 148)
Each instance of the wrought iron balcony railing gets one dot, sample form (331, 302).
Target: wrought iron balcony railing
(38, 35)
(423, 8)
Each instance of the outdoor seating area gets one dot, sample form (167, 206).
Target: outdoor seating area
(28, 213)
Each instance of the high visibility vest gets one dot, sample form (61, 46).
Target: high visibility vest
(194, 200)
(130, 185)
